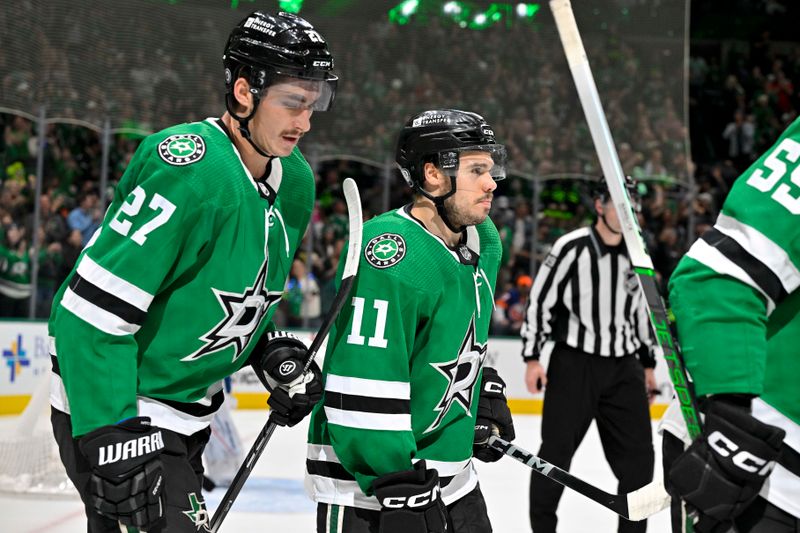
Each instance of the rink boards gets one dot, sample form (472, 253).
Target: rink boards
(26, 359)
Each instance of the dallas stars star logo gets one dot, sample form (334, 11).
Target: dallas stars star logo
(243, 314)
(461, 374)
(182, 149)
(198, 515)
(385, 250)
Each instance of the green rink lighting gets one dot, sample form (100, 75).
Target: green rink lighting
(402, 12)
(464, 13)
(290, 6)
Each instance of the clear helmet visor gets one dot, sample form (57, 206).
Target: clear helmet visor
(450, 160)
(291, 92)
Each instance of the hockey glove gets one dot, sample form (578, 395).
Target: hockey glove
(127, 483)
(411, 501)
(278, 362)
(722, 472)
(493, 416)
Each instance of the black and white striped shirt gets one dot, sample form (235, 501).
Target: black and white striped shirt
(586, 295)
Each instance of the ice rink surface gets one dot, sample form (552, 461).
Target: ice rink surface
(273, 499)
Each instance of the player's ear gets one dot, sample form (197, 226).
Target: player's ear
(432, 178)
(244, 100)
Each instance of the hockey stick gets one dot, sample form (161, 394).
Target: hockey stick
(353, 200)
(636, 505)
(631, 232)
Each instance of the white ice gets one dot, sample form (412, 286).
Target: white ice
(272, 500)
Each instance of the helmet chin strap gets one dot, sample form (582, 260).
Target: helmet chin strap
(438, 201)
(440, 208)
(244, 130)
(609, 228)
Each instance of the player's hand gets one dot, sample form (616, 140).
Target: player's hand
(722, 472)
(535, 377)
(493, 416)
(279, 365)
(127, 483)
(411, 501)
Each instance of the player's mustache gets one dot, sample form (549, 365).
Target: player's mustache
(486, 197)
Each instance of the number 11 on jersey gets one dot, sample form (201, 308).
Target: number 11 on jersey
(377, 340)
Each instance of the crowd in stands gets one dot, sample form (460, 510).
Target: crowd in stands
(740, 100)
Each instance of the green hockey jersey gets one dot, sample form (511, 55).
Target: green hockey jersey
(403, 364)
(182, 277)
(736, 301)
(15, 274)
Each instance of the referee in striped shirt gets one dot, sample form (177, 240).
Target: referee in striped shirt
(587, 313)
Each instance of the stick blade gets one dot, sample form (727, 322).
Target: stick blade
(353, 199)
(647, 500)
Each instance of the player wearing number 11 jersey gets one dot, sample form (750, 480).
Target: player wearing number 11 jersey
(736, 298)
(178, 287)
(406, 396)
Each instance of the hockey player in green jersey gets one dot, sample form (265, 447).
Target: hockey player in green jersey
(177, 289)
(407, 401)
(737, 307)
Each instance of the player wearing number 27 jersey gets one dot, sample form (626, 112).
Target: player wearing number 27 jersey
(179, 242)
(737, 305)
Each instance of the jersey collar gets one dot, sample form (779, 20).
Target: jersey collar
(466, 252)
(269, 183)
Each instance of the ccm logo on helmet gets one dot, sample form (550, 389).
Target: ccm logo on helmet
(321, 63)
(743, 459)
(417, 500)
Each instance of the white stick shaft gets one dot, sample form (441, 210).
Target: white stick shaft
(598, 126)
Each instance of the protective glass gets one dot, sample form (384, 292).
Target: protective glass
(449, 160)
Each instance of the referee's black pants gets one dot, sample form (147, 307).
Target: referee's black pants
(580, 388)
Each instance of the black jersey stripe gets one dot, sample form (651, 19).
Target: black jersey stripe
(594, 272)
(56, 367)
(328, 469)
(789, 459)
(367, 404)
(105, 300)
(612, 288)
(766, 279)
(195, 409)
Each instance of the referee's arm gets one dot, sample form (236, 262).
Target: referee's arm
(538, 324)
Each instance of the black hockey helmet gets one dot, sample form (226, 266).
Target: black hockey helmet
(264, 48)
(600, 191)
(438, 136)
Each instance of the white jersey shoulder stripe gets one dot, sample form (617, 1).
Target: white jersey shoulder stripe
(97, 316)
(95, 274)
(762, 248)
(374, 388)
(714, 259)
(374, 421)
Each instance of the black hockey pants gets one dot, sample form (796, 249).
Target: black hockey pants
(580, 388)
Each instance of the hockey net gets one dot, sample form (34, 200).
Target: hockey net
(29, 461)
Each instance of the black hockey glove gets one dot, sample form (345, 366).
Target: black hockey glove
(411, 501)
(493, 415)
(127, 483)
(278, 362)
(722, 472)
